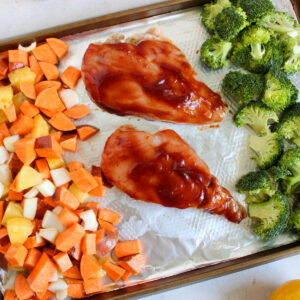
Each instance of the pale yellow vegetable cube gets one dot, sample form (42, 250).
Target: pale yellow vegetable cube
(55, 163)
(18, 229)
(18, 99)
(12, 210)
(3, 118)
(5, 191)
(40, 127)
(82, 197)
(6, 96)
(21, 75)
(27, 178)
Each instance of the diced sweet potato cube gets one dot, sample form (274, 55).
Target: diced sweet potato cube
(66, 198)
(44, 53)
(24, 148)
(70, 77)
(32, 258)
(47, 146)
(83, 179)
(16, 255)
(22, 125)
(18, 56)
(63, 261)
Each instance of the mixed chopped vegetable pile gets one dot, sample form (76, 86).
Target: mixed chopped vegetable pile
(264, 44)
(53, 239)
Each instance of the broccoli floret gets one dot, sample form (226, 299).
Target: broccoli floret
(278, 172)
(268, 149)
(243, 87)
(211, 10)
(230, 22)
(271, 217)
(256, 38)
(214, 52)
(256, 185)
(256, 9)
(279, 92)
(289, 124)
(281, 22)
(256, 115)
(295, 217)
(290, 160)
(272, 56)
(291, 52)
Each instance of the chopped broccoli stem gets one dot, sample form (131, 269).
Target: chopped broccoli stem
(281, 22)
(289, 124)
(257, 51)
(256, 37)
(271, 216)
(230, 22)
(256, 9)
(211, 10)
(268, 149)
(243, 87)
(255, 115)
(243, 56)
(214, 52)
(279, 93)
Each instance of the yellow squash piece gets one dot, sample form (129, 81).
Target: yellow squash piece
(21, 75)
(12, 210)
(6, 96)
(55, 163)
(40, 127)
(5, 191)
(3, 118)
(18, 99)
(18, 229)
(27, 178)
(82, 197)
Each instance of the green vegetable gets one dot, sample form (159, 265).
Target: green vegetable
(242, 55)
(295, 217)
(235, 2)
(278, 172)
(243, 87)
(268, 149)
(256, 38)
(255, 9)
(211, 10)
(214, 52)
(271, 216)
(289, 124)
(291, 52)
(256, 185)
(230, 22)
(256, 115)
(279, 93)
(290, 160)
(281, 22)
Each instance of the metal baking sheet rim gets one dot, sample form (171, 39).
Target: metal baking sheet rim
(211, 270)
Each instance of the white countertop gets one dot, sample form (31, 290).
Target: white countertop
(19, 17)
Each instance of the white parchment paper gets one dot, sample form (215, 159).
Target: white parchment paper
(176, 240)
